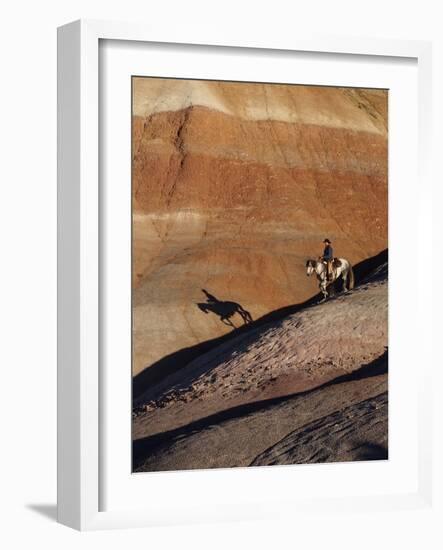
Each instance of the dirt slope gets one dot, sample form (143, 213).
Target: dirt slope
(267, 432)
(354, 433)
(295, 354)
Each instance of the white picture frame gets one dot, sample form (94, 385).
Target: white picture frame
(80, 370)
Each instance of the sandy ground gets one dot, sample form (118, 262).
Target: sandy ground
(268, 433)
(357, 432)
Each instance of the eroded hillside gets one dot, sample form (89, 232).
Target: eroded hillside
(234, 187)
(311, 387)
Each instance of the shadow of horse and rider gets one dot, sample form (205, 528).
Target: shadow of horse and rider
(340, 268)
(225, 310)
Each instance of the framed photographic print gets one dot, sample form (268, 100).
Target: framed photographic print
(239, 224)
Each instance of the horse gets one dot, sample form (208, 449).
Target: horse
(340, 268)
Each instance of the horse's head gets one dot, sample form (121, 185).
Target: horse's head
(310, 267)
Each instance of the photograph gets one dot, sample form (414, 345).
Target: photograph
(259, 274)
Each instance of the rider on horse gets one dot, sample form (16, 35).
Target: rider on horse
(327, 257)
(328, 269)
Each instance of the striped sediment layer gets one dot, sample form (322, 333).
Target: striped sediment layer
(234, 186)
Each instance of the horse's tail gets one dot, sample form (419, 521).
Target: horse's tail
(351, 278)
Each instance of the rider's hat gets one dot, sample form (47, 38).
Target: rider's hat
(327, 241)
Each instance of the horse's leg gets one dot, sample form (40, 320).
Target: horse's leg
(326, 292)
(323, 288)
(243, 316)
(227, 321)
(344, 275)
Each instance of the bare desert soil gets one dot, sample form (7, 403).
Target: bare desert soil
(295, 430)
(310, 387)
